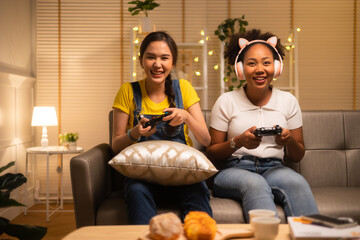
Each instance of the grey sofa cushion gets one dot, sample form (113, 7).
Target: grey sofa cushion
(338, 201)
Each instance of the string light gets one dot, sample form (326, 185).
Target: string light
(211, 52)
(197, 73)
(136, 41)
(290, 39)
(298, 29)
(216, 67)
(202, 33)
(207, 38)
(202, 41)
(134, 58)
(134, 74)
(136, 28)
(196, 59)
(287, 48)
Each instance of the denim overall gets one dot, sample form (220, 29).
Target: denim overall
(141, 197)
(163, 130)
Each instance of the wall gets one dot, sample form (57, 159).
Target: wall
(16, 92)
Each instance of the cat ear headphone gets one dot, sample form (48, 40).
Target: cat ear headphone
(243, 43)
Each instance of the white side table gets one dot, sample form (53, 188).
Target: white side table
(51, 150)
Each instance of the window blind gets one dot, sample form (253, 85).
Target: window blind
(326, 53)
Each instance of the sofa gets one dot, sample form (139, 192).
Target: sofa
(330, 165)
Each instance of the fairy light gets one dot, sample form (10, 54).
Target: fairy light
(202, 33)
(216, 67)
(134, 74)
(289, 39)
(202, 41)
(136, 41)
(287, 48)
(134, 58)
(211, 52)
(197, 73)
(298, 29)
(136, 28)
(207, 38)
(196, 59)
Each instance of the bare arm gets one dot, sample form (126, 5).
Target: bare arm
(220, 150)
(120, 139)
(193, 118)
(294, 143)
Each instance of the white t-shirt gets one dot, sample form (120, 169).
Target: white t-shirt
(234, 113)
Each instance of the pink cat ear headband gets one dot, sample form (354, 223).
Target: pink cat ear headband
(243, 43)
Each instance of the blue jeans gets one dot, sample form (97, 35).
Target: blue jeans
(259, 183)
(142, 198)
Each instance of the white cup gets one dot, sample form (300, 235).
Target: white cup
(260, 213)
(265, 228)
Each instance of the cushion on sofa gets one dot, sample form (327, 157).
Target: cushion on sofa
(163, 162)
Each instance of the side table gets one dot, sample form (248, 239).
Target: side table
(51, 150)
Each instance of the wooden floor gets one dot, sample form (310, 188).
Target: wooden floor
(60, 224)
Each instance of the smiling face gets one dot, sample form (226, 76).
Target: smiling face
(157, 62)
(258, 66)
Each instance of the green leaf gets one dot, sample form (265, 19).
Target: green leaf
(5, 202)
(8, 182)
(25, 232)
(10, 164)
(11, 181)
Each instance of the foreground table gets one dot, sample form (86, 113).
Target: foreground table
(132, 232)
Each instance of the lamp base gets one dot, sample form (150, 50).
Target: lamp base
(44, 137)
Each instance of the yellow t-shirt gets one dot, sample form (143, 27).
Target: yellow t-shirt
(124, 101)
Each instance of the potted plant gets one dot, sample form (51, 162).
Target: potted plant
(9, 182)
(144, 6)
(69, 139)
(225, 31)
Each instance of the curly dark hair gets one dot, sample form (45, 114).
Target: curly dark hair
(255, 34)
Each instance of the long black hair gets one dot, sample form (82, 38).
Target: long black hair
(162, 36)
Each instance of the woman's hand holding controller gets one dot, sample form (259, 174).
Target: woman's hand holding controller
(284, 138)
(247, 139)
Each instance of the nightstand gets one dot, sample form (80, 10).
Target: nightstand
(50, 150)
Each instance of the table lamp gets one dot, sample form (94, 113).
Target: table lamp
(44, 116)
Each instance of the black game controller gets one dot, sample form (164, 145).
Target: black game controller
(156, 120)
(268, 131)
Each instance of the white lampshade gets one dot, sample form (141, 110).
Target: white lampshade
(44, 116)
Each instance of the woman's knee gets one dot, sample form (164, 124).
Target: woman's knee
(136, 189)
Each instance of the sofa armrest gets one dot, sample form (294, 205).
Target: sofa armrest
(90, 179)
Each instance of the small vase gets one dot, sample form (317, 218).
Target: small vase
(146, 25)
(71, 146)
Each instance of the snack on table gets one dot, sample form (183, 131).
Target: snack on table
(166, 226)
(199, 226)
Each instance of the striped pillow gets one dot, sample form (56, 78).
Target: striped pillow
(163, 162)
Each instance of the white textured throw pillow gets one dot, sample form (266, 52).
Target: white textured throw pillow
(163, 162)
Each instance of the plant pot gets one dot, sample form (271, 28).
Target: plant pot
(71, 146)
(146, 25)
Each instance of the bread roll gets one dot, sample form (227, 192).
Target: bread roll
(199, 226)
(166, 226)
